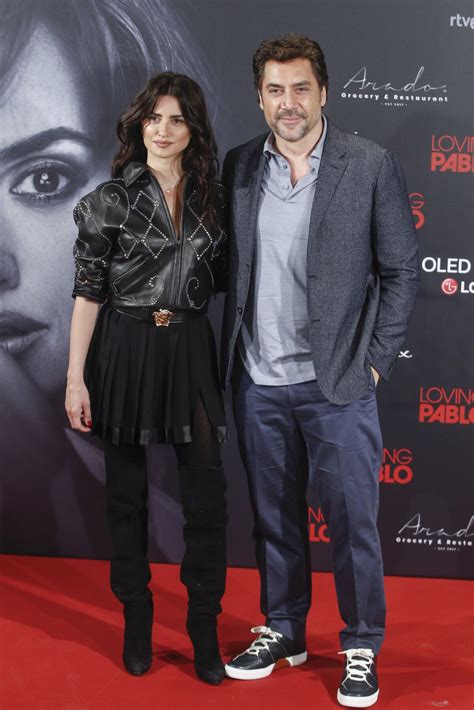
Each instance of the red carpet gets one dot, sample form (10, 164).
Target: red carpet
(61, 632)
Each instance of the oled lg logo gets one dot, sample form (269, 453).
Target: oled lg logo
(362, 87)
(450, 265)
(318, 530)
(417, 202)
(397, 466)
(439, 405)
(461, 21)
(452, 154)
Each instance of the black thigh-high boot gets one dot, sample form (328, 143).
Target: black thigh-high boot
(203, 570)
(127, 515)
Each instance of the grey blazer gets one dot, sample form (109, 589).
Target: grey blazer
(362, 260)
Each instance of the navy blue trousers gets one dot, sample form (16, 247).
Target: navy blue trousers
(292, 436)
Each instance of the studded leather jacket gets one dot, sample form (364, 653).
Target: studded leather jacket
(128, 252)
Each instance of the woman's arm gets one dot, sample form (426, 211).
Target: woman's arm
(98, 229)
(77, 402)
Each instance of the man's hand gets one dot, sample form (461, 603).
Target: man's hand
(375, 375)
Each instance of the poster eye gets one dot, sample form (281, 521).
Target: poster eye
(42, 183)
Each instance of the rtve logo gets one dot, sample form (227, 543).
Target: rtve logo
(461, 21)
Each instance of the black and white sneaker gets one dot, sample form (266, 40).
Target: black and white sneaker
(269, 651)
(359, 686)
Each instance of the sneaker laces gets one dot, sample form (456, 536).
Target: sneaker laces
(266, 636)
(358, 664)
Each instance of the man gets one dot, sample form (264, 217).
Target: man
(322, 278)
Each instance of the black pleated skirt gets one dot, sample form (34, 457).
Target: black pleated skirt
(145, 381)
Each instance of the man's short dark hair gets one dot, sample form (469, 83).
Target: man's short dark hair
(286, 47)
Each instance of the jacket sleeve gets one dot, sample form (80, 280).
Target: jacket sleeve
(396, 261)
(92, 249)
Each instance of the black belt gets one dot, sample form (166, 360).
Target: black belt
(158, 316)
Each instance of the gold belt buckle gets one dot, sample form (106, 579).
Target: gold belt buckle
(162, 317)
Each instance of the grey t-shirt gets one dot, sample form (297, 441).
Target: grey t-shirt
(274, 339)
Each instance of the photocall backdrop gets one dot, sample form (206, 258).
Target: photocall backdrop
(400, 74)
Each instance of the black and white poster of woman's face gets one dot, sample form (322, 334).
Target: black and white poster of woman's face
(49, 161)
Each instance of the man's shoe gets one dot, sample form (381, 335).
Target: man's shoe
(137, 651)
(359, 686)
(269, 651)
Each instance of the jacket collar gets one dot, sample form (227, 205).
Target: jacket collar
(333, 165)
(132, 171)
(335, 143)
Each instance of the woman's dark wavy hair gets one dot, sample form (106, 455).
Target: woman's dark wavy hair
(199, 157)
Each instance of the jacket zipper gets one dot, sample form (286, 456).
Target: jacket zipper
(181, 241)
(177, 258)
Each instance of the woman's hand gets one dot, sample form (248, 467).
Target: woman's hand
(77, 403)
(78, 406)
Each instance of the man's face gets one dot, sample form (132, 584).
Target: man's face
(291, 99)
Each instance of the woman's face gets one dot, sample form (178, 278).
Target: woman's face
(48, 163)
(165, 133)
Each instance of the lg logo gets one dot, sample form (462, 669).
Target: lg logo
(449, 287)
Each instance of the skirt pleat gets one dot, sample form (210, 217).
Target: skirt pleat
(145, 381)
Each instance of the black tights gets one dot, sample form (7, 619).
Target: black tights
(202, 450)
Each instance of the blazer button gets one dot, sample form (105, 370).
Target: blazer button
(239, 311)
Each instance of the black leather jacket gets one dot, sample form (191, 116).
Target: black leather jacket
(128, 253)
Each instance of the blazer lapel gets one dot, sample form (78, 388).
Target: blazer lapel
(247, 198)
(254, 194)
(333, 165)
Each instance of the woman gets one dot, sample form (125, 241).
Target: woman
(151, 249)
(55, 147)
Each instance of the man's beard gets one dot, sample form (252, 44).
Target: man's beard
(292, 135)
